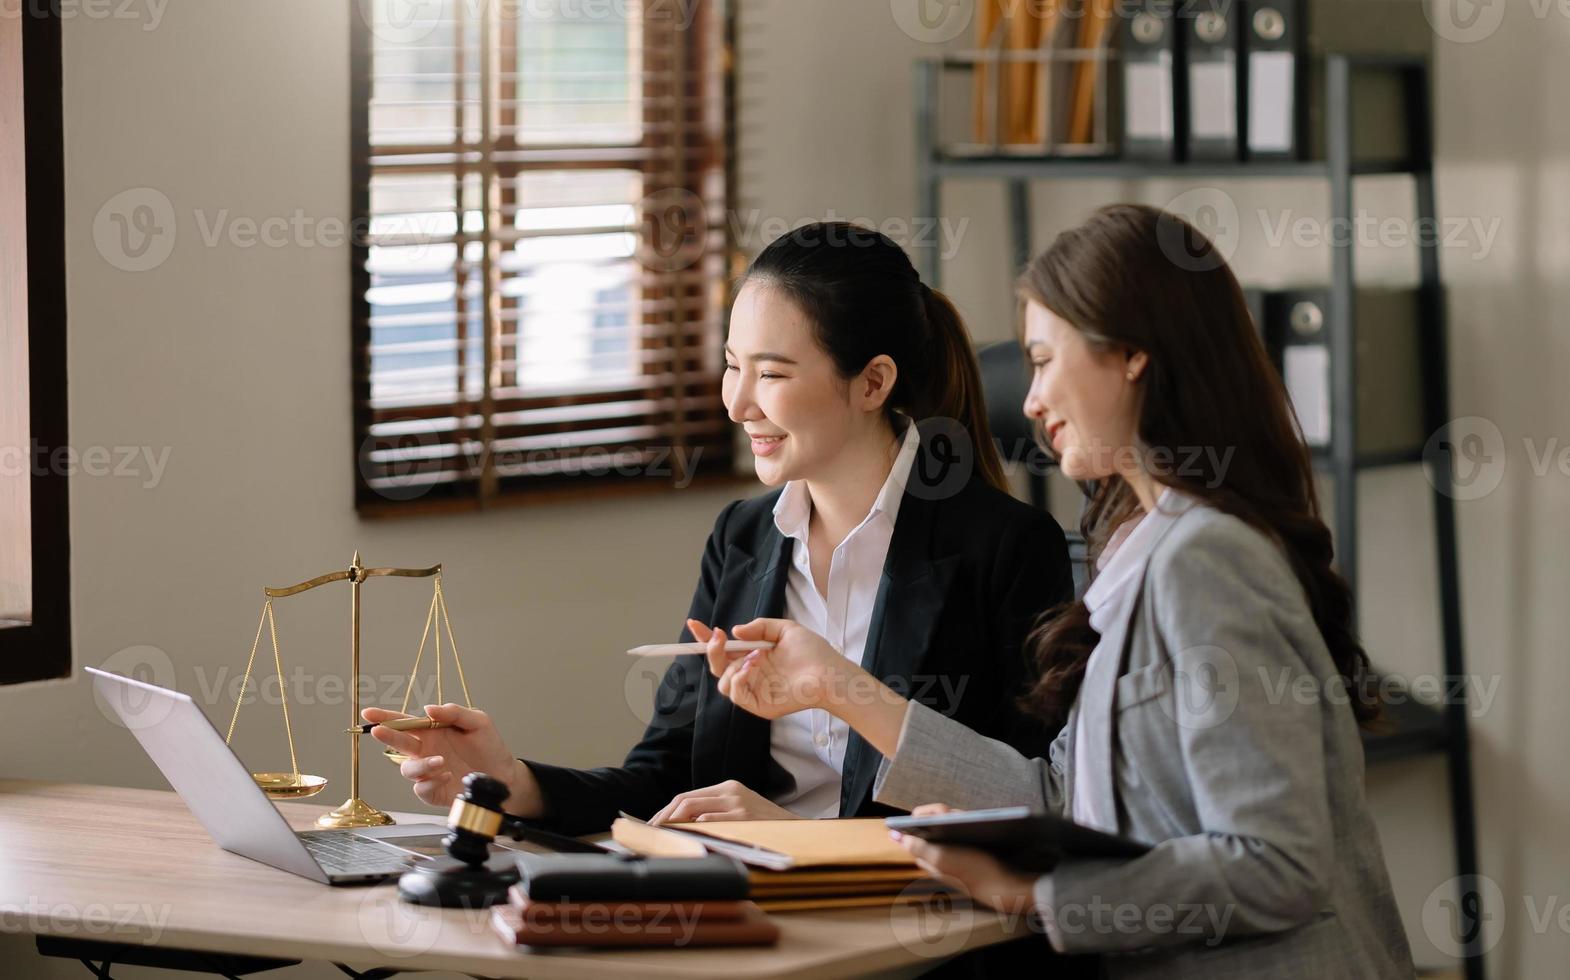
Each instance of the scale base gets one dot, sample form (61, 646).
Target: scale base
(353, 812)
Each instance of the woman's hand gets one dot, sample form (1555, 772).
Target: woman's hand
(729, 800)
(439, 758)
(980, 875)
(802, 671)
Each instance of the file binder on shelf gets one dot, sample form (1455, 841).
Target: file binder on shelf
(1274, 38)
(1212, 43)
(1155, 102)
(1389, 391)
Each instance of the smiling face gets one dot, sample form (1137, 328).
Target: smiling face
(1085, 400)
(784, 390)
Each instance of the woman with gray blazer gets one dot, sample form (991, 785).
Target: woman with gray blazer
(1210, 678)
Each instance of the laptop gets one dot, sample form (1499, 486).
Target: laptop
(235, 812)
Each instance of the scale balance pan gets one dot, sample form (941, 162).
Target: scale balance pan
(288, 785)
(394, 756)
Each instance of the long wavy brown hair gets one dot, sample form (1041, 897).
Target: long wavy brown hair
(1135, 278)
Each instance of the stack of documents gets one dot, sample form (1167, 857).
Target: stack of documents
(795, 864)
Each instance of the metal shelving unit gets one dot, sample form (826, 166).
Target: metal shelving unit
(1416, 729)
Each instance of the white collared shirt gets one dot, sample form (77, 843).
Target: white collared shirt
(810, 745)
(1118, 569)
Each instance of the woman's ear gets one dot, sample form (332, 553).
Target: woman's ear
(876, 383)
(1136, 364)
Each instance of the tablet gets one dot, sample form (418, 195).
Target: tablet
(1031, 840)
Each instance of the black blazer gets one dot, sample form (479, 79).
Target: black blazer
(969, 570)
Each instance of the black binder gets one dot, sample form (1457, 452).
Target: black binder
(1154, 104)
(1213, 44)
(623, 878)
(1298, 340)
(1275, 73)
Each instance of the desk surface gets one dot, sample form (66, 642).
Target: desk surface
(133, 866)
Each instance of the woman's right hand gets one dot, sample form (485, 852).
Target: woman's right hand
(801, 671)
(439, 758)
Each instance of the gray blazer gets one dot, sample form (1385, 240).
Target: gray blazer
(1223, 739)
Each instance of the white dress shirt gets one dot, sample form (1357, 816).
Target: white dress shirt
(810, 745)
(1118, 569)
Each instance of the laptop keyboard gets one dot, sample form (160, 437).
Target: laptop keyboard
(339, 853)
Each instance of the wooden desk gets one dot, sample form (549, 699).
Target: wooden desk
(133, 866)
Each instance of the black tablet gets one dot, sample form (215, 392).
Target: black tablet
(1020, 836)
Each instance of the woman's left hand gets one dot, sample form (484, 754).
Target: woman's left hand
(983, 877)
(729, 800)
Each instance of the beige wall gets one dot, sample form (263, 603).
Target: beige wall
(234, 361)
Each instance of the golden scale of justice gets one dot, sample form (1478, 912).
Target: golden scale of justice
(353, 812)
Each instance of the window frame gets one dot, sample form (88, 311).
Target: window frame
(41, 650)
(486, 490)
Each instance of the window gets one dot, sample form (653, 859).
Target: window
(539, 292)
(35, 614)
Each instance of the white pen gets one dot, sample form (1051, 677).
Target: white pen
(678, 649)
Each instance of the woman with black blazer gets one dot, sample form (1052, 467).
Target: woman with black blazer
(894, 537)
